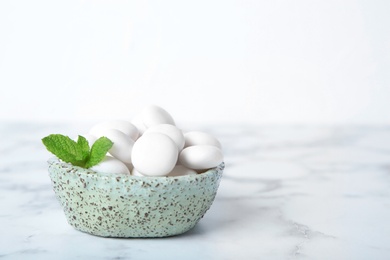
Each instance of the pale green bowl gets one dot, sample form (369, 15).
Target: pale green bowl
(131, 206)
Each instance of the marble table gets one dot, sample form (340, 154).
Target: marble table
(288, 192)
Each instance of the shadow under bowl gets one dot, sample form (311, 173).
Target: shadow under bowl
(131, 206)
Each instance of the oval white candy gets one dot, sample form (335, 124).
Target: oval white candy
(154, 115)
(154, 154)
(200, 157)
(122, 147)
(181, 170)
(121, 125)
(111, 165)
(200, 138)
(134, 172)
(171, 131)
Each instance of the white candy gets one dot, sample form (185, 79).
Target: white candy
(122, 147)
(200, 157)
(121, 125)
(151, 145)
(154, 154)
(171, 131)
(134, 172)
(111, 165)
(181, 170)
(200, 138)
(154, 115)
(178, 170)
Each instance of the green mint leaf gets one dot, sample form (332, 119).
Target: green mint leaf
(98, 151)
(66, 149)
(77, 153)
(83, 145)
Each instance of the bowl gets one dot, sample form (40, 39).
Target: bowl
(127, 206)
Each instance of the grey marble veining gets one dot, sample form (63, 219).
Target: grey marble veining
(288, 192)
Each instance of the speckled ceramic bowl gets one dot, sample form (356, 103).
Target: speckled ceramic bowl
(131, 206)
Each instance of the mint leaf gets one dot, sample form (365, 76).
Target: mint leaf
(83, 145)
(98, 151)
(77, 153)
(66, 149)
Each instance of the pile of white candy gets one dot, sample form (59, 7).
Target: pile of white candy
(151, 145)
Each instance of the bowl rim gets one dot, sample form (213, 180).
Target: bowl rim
(88, 173)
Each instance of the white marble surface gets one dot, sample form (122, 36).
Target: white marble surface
(287, 193)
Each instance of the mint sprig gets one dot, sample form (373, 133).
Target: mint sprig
(98, 151)
(77, 153)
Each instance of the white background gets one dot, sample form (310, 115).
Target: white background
(310, 62)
